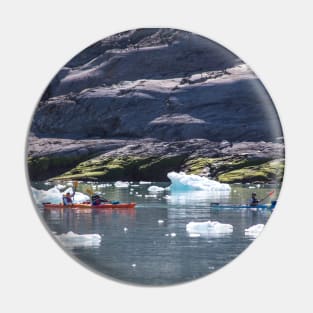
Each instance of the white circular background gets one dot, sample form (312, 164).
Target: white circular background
(273, 37)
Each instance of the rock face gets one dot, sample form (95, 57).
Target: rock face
(160, 83)
(154, 99)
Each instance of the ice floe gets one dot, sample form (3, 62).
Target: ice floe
(183, 182)
(145, 182)
(121, 184)
(155, 189)
(209, 227)
(72, 240)
(254, 231)
(54, 195)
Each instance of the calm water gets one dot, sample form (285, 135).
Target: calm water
(146, 253)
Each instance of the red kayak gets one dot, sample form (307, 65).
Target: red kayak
(89, 206)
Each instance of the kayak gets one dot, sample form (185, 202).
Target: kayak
(130, 205)
(269, 206)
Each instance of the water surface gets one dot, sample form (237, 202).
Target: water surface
(137, 247)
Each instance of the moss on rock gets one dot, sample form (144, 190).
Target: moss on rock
(271, 171)
(125, 168)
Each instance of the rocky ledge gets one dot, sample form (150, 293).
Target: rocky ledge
(147, 101)
(150, 159)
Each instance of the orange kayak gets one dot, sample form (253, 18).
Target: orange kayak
(89, 206)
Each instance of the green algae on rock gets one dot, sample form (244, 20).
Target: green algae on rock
(271, 171)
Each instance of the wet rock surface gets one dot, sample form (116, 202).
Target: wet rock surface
(162, 95)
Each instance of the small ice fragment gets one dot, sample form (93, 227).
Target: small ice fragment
(160, 221)
(121, 184)
(166, 235)
(194, 235)
(167, 197)
(125, 229)
(138, 195)
(69, 184)
(131, 189)
(135, 185)
(251, 187)
(150, 196)
(134, 265)
(254, 231)
(173, 235)
(60, 187)
(258, 185)
(144, 182)
(209, 227)
(72, 240)
(155, 189)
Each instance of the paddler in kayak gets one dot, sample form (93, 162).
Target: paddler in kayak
(253, 201)
(97, 200)
(67, 198)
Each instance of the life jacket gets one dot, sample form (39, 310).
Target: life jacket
(67, 200)
(254, 201)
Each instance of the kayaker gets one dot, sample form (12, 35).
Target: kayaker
(67, 198)
(253, 201)
(97, 200)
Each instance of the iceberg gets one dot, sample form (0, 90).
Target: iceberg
(183, 182)
(209, 227)
(254, 231)
(155, 189)
(121, 184)
(54, 195)
(72, 240)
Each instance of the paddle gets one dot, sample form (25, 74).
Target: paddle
(271, 193)
(75, 184)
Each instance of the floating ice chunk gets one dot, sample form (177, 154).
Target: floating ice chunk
(121, 184)
(137, 195)
(60, 187)
(150, 196)
(182, 182)
(155, 189)
(125, 229)
(160, 221)
(254, 231)
(173, 235)
(47, 183)
(134, 265)
(209, 227)
(144, 182)
(166, 235)
(135, 185)
(72, 240)
(53, 195)
(69, 184)
(167, 197)
(194, 235)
